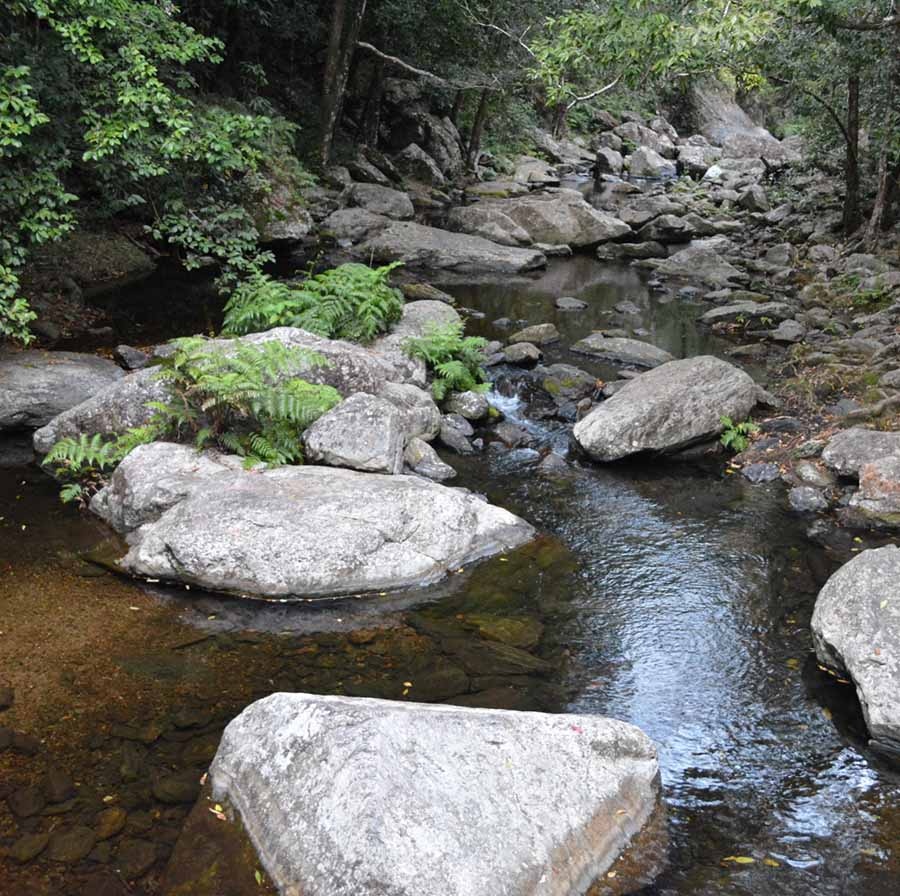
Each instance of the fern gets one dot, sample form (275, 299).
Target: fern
(352, 301)
(736, 436)
(455, 360)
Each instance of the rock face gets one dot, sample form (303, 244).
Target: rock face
(307, 531)
(427, 248)
(668, 408)
(631, 352)
(35, 386)
(646, 162)
(856, 631)
(849, 451)
(363, 433)
(380, 200)
(354, 797)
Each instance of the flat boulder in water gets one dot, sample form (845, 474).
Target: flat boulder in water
(631, 352)
(356, 797)
(35, 386)
(856, 631)
(675, 405)
(201, 519)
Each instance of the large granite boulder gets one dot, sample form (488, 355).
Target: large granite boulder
(852, 449)
(746, 312)
(380, 200)
(428, 249)
(35, 386)
(668, 408)
(417, 165)
(488, 220)
(560, 217)
(202, 520)
(363, 433)
(346, 796)
(347, 367)
(856, 631)
(646, 162)
(639, 210)
(699, 263)
(630, 352)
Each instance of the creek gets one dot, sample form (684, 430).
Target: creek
(675, 597)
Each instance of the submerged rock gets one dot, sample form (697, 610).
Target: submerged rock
(35, 386)
(670, 407)
(856, 631)
(201, 519)
(356, 797)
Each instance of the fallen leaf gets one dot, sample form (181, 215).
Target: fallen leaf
(740, 860)
(771, 862)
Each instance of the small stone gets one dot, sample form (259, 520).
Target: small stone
(110, 822)
(101, 854)
(6, 737)
(761, 472)
(812, 474)
(7, 697)
(28, 847)
(421, 458)
(523, 354)
(26, 802)
(805, 499)
(71, 845)
(511, 435)
(26, 744)
(539, 334)
(568, 303)
(553, 465)
(58, 786)
(471, 405)
(182, 787)
(131, 358)
(135, 858)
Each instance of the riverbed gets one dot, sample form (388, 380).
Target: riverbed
(675, 597)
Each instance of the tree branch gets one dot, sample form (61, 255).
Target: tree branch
(423, 73)
(824, 103)
(594, 93)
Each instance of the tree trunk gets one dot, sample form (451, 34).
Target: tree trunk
(474, 148)
(346, 22)
(888, 171)
(852, 217)
(458, 101)
(372, 114)
(559, 120)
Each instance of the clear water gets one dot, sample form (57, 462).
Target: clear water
(672, 597)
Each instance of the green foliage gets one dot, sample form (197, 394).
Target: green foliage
(250, 400)
(454, 359)
(352, 301)
(736, 436)
(83, 464)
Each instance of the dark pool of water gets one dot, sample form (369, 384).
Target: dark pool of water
(675, 598)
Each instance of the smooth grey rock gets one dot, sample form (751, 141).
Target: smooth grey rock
(850, 450)
(455, 434)
(667, 229)
(427, 248)
(416, 164)
(523, 354)
(627, 351)
(363, 433)
(36, 385)
(789, 331)
(380, 201)
(490, 221)
(745, 312)
(354, 224)
(700, 263)
(813, 474)
(609, 161)
(856, 631)
(537, 334)
(294, 531)
(471, 405)
(421, 416)
(530, 170)
(671, 407)
(421, 458)
(754, 199)
(806, 499)
(131, 358)
(430, 800)
(890, 380)
(645, 162)
(697, 160)
(568, 303)
(761, 472)
(879, 491)
(642, 209)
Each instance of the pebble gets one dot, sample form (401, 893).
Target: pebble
(135, 858)
(110, 822)
(28, 847)
(761, 472)
(71, 845)
(6, 697)
(182, 787)
(26, 802)
(58, 786)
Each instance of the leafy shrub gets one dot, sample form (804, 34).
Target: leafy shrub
(352, 301)
(249, 402)
(736, 436)
(82, 464)
(454, 359)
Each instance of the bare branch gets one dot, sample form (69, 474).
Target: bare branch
(422, 73)
(594, 93)
(493, 26)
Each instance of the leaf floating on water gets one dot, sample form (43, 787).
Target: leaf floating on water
(793, 663)
(883, 604)
(259, 878)
(740, 860)
(826, 712)
(771, 862)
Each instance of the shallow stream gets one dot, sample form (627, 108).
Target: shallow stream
(673, 597)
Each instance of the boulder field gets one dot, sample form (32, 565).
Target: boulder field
(357, 797)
